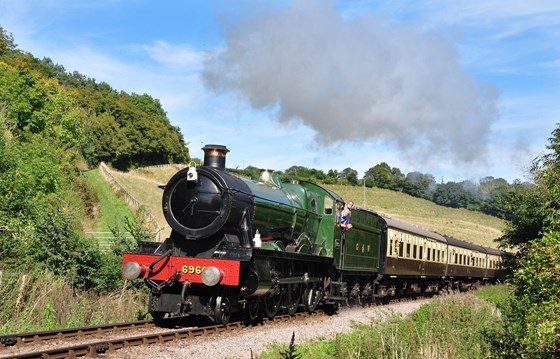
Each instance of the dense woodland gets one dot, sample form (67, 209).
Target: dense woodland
(54, 124)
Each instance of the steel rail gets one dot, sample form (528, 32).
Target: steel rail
(94, 348)
(61, 334)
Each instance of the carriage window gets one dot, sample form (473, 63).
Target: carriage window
(390, 249)
(414, 251)
(328, 205)
(408, 250)
(421, 254)
(401, 247)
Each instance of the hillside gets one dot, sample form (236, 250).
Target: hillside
(470, 226)
(143, 184)
(474, 227)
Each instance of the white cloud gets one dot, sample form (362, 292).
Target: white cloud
(176, 57)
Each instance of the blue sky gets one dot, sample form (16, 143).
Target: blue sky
(460, 90)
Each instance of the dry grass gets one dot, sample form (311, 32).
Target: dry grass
(43, 301)
(474, 227)
(143, 183)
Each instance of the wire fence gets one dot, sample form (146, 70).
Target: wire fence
(132, 202)
(174, 165)
(106, 239)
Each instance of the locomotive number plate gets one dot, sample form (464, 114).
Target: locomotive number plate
(192, 269)
(189, 267)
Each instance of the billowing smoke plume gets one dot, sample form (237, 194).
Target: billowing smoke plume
(363, 79)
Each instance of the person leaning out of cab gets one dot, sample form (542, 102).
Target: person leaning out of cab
(346, 215)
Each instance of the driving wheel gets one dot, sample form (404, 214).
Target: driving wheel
(222, 310)
(252, 308)
(312, 296)
(271, 303)
(292, 299)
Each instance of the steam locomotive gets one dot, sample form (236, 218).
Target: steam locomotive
(260, 247)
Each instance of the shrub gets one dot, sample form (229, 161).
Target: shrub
(533, 320)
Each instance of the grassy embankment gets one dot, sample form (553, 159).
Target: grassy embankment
(111, 211)
(454, 326)
(143, 183)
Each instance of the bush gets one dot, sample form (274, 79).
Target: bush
(499, 294)
(41, 215)
(533, 319)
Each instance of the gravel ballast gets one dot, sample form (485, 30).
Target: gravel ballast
(253, 340)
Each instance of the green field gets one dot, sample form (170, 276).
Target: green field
(471, 226)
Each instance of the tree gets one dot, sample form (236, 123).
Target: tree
(533, 321)
(7, 45)
(332, 177)
(495, 194)
(472, 195)
(350, 175)
(296, 173)
(451, 194)
(398, 179)
(419, 185)
(380, 175)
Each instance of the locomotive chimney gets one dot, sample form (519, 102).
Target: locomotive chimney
(215, 156)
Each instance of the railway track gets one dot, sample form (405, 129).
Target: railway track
(106, 339)
(96, 340)
(37, 338)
